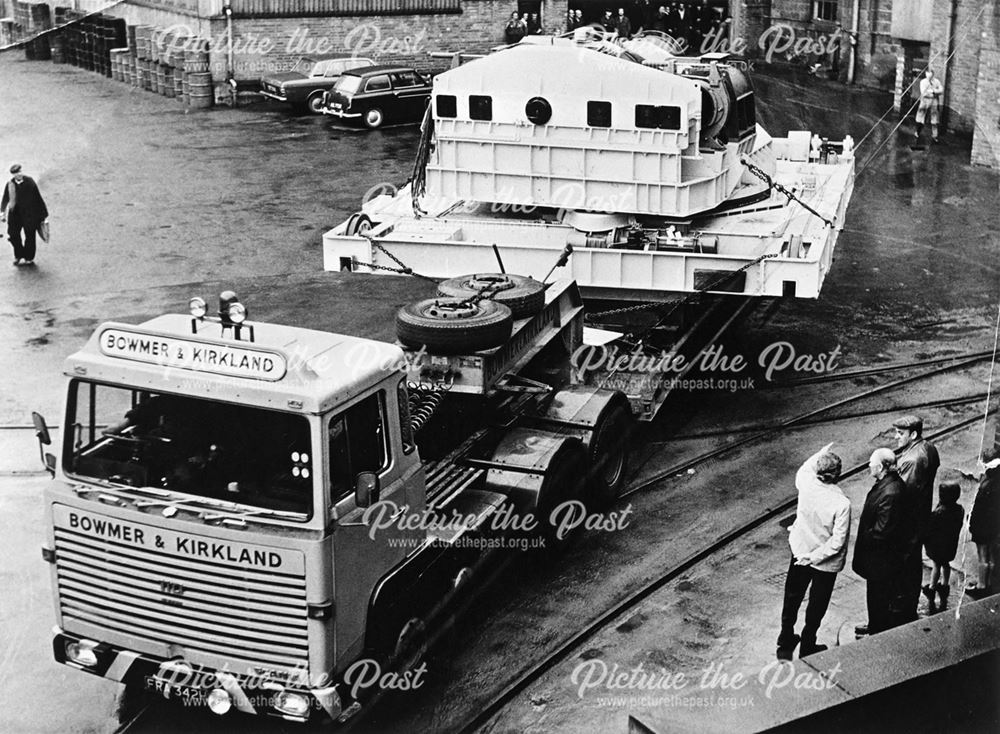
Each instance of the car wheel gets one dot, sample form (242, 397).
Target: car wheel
(373, 118)
(315, 103)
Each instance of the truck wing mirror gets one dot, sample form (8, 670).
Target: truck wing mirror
(41, 429)
(44, 439)
(366, 489)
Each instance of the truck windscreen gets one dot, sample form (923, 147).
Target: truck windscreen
(248, 455)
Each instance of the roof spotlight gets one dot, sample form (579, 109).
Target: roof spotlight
(197, 307)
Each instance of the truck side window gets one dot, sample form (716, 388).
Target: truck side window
(357, 441)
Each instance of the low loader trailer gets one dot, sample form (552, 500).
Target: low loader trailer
(274, 519)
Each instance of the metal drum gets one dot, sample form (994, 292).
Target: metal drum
(200, 92)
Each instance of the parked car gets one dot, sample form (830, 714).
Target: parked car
(310, 78)
(379, 94)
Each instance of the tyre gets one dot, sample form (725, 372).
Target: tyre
(357, 224)
(373, 118)
(452, 326)
(523, 296)
(315, 103)
(564, 481)
(609, 457)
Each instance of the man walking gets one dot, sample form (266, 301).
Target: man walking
(917, 465)
(931, 91)
(818, 540)
(24, 209)
(880, 548)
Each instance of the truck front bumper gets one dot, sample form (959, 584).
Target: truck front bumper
(193, 685)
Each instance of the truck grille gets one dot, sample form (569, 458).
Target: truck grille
(242, 614)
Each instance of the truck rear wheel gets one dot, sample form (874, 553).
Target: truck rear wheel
(564, 481)
(609, 456)
(453, 325)
(523, 296)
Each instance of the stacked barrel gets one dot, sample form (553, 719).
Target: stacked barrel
(172, 65)
(88, 40)
(30, 20)
(154, 59)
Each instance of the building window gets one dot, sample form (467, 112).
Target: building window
(446, 105)
(825, 10)
(480, 108)
(599, 114)
(659, 117)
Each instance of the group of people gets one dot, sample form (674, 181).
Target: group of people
(898, 524)
(691, 23)
(24, 210)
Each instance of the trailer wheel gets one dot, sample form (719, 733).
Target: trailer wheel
(609, 456)
(453, 326)
(523, 296)
(357, 224)
(564, 481)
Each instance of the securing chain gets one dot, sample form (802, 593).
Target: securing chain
(403, 268)
(771, 183)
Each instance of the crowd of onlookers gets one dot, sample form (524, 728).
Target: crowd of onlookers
(697, 25)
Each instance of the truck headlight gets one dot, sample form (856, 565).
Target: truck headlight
(291, 703)
(82, 653)
(219, 701)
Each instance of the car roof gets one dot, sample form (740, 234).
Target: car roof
(381, 69)
(327, 57)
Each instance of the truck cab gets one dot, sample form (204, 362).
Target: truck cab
(226, 525)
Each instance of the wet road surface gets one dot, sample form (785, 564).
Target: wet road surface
(151, 205)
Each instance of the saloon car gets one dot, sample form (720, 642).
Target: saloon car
(310, 78)
(379, 94)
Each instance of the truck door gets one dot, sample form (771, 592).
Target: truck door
(358, 439)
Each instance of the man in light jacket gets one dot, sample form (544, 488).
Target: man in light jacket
(818, 540)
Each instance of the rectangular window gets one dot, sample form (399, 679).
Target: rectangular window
(825, 10)
(378, 83)
(446, 105)
(403, 79)
(480, 108)
(599, 114)
(661, 117)
(190, 446)
(357, 443)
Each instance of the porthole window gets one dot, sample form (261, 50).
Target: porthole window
(538, 110)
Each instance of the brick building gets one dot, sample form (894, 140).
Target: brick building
(893, 41)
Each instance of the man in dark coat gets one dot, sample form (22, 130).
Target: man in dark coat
(623, 26)
(917, 464)
(24, 209)
(880, 548)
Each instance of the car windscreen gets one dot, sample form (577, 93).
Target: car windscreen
(348, 84)
(205, 448)
(304, 66)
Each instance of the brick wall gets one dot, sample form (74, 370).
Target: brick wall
(960, 74)
(262, 45)
(986, 138)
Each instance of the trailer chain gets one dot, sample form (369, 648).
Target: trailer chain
(641, 335)
(590, 317)
(771, 183)
(403, 268)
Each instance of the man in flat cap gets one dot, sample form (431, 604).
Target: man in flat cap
(881, 545)
(917, 465)
(818, 542)
(24, 209)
